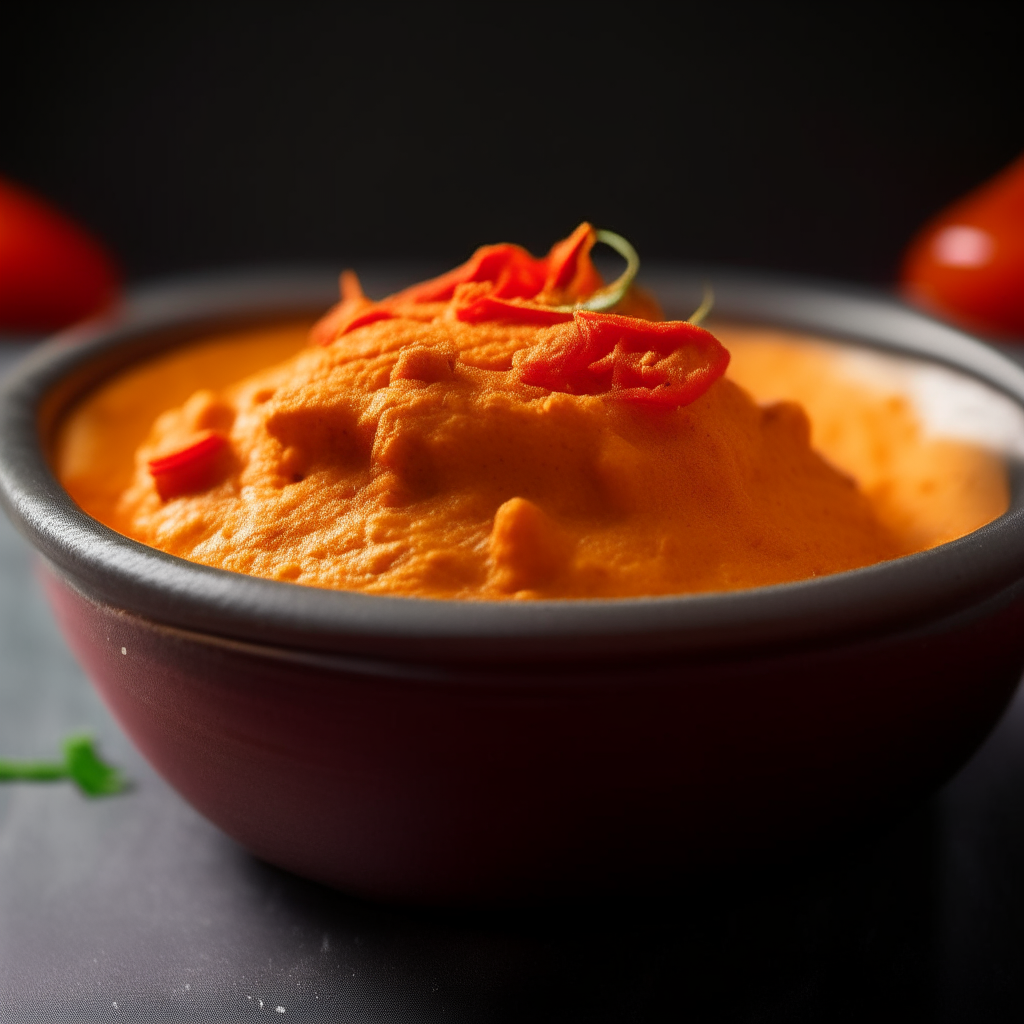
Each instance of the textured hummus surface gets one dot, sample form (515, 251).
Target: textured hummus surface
(407, 458)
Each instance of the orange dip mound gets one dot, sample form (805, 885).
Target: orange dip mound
(925, 489)
(411, 455)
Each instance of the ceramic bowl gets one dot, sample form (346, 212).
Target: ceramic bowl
(469, 752)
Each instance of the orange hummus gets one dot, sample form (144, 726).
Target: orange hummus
(414, 450)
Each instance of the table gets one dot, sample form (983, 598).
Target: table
(135, 908)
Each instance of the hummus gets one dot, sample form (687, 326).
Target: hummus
(414, 448)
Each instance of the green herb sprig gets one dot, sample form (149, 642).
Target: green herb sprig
(92, 775)
(611, 295)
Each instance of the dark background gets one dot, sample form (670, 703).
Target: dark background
(216, 135)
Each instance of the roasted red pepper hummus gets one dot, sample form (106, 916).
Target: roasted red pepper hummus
(510, 429)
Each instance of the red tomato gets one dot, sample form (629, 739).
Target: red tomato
(51, 272)
(968, 263)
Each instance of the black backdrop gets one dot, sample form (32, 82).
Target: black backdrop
(217, 135)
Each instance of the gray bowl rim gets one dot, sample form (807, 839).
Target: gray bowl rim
(112, 569)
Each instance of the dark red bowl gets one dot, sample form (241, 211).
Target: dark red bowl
(442, 751)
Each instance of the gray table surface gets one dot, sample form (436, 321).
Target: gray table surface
(136, 908)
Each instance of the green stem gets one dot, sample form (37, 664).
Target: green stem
(705, 307)
(32, 771)
(611, 295)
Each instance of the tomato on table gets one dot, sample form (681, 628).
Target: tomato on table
(967, 264)
(52, 272)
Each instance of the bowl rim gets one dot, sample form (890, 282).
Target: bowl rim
(112, 569)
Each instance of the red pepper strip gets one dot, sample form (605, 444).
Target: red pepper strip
(488, 308)
(196, 467)
(514, 273)
(367, 316)
(570, 274)
(563, 277)
(339, 318)
(325, 332)
(668, 363)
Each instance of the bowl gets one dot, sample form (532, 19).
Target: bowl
(447, 752)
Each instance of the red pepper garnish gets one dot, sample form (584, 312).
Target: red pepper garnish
(668, 363)
(513, 286)
(354, 310)
(512, 272)
(366, 316)
(196, 467)
(570, 273)
(594, 352)
(482, 308)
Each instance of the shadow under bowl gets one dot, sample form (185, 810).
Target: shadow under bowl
(447, 752)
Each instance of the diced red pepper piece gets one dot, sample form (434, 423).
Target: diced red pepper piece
(667, 363)
(196, 467)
